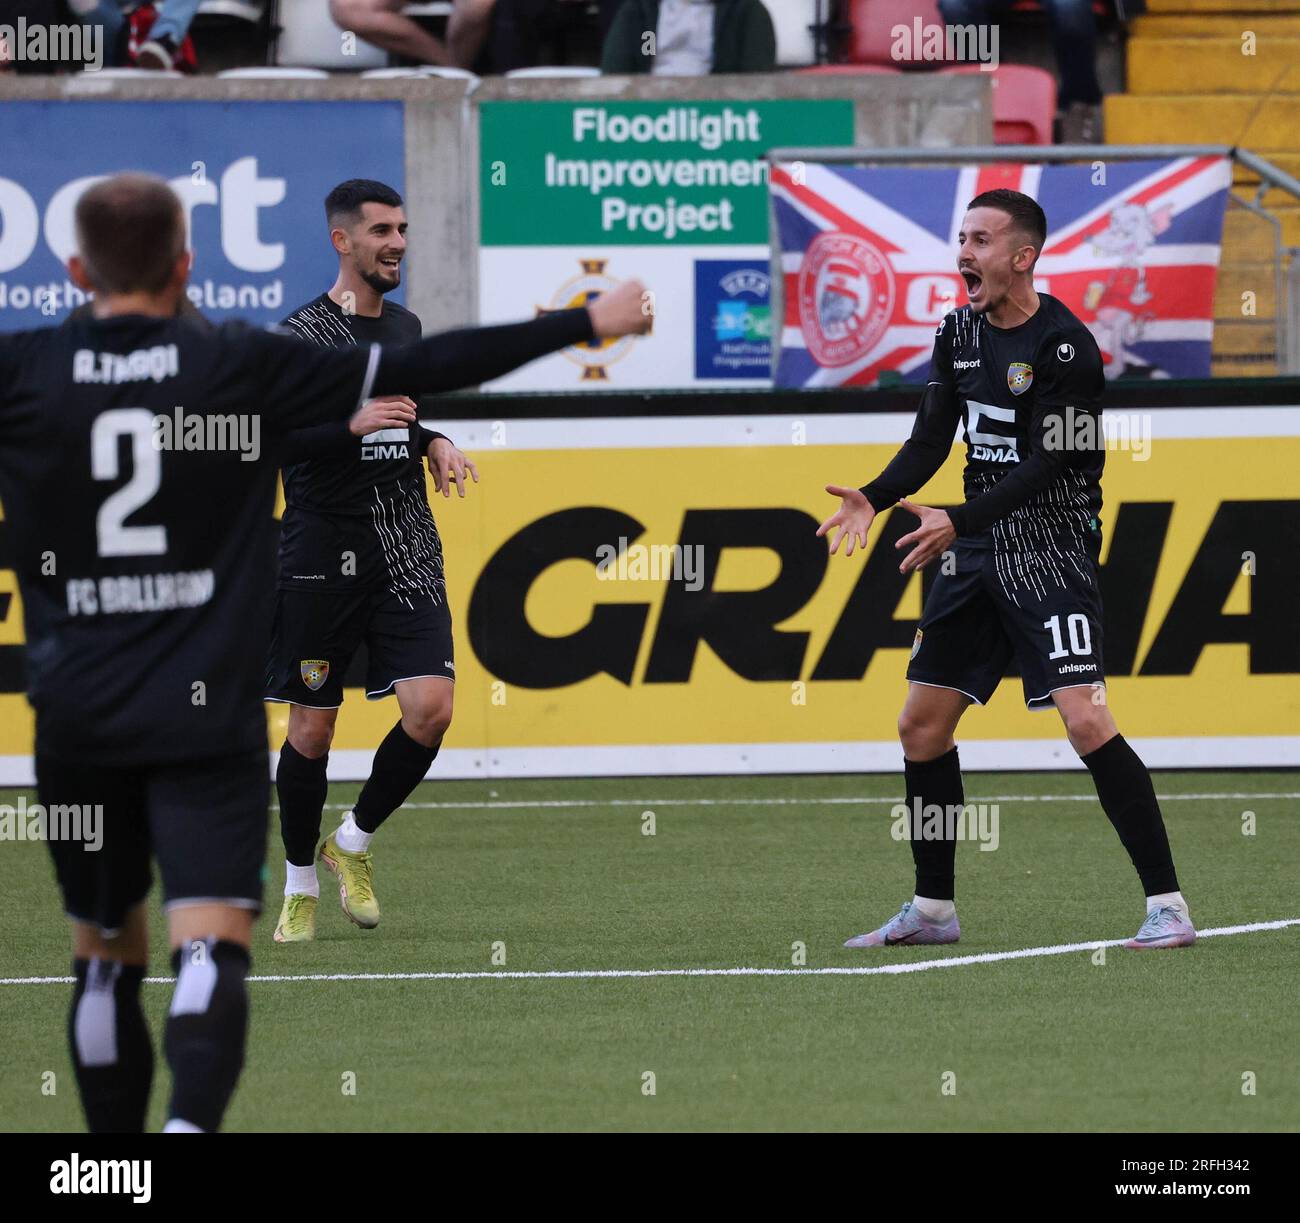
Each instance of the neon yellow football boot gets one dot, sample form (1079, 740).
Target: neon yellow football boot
(297, 922)
(356, 883)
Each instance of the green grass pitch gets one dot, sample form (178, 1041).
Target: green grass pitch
(1160, 1041)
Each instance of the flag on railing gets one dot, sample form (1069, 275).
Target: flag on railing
(869, 261)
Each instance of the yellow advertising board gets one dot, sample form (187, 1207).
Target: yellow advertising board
(648, 596)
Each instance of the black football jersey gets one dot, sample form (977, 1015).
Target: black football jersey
(359, 513)
(137, 480)
(137, 473)
(1028, 399)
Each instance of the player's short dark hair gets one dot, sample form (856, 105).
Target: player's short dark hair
(345, 201)
(130, 232)
(1025, 212)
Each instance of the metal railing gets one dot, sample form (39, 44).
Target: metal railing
(1286, 265)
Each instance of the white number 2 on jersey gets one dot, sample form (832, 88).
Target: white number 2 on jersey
(114, 538)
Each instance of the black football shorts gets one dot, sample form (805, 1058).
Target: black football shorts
(203, 821)
(1043, 610)
(317, 632)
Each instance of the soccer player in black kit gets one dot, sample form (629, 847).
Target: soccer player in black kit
(1025, 377)
(144, 556)
(360, 559)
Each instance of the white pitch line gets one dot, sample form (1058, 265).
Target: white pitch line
(598, 974)
(500, 804)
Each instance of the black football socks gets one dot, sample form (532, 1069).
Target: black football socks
(400, 765)
(111, 1051)
(302, 787)
(207, 1027)
(933, 783)
(1129, 800)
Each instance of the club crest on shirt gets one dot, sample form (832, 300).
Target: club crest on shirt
(1019, 377)
(916, 643)
(314, 672)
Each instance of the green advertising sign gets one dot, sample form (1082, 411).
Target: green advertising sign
(639, 173)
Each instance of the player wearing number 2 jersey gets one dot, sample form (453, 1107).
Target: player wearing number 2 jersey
(137, 472)
(1020, 577)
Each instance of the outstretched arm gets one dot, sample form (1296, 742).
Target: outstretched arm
(301, 385)
(932, 435)
(467, 357)
(916, 461)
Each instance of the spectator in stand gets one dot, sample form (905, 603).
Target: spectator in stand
(382, 23)
(142, 35)
(1074, 38)
(502, 35)
(691, 38)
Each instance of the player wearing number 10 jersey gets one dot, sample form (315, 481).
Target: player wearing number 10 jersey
(1020, 578)
(137, 472)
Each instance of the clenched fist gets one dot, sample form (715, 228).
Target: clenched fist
(627, 309)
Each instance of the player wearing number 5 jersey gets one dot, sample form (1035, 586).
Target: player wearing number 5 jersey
(137, 472)
(1020, 579)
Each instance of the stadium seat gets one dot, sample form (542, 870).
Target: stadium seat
(793, 21)
(871, 39)
(310, 39)
(448, 72)
(273, 74)
(424, 72)
(1099, 9)
(129, 74)
(1024, 102)
(555, 71)
(240, 10)
(851, 70)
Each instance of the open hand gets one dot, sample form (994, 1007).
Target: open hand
(853, 518)
(931, 538)
(447, 463)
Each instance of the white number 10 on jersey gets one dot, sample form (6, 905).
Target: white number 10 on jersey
(1080, 635)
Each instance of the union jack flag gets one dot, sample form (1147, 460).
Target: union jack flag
(869, 261)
